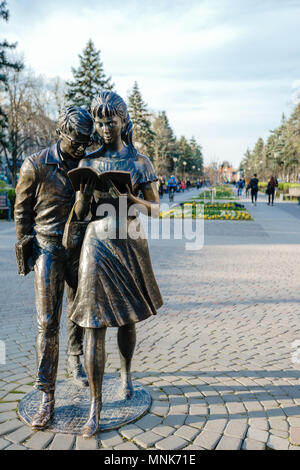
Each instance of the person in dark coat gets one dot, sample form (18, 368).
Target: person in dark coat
(272, 184)
(254, 188)
(44, 198)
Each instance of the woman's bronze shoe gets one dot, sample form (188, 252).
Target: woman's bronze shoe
(91, 427)
(127, 390)
(43, 415)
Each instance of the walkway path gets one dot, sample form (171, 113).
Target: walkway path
(218, 359)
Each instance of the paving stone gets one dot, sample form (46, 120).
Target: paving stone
(130, 431)
(9, 426)
(236, 428)
(62, 442)
(187, 432)
(174, 420)
(20, 434)
(196, 421)
(164, 430)
(13, 397)
(178, 410)
(126, 446)
(295, 435)
(229, 443)
(15, 447)
(293, 421)
(207, 439)
(198, 410)
(277, 443)
(252, 405)
(40, 440)
(86, 444)
(171, 443)
(192, 447)
(251, 444)
(257, 434)
(6, 416)
(160, 408)
(4, 443)
(217, 425)
(236, 408)
(259, 423)
(110, 438)
(8, 406)
(148, 422)
(277, 432)
(147, 439)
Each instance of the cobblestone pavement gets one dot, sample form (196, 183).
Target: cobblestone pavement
(220, 359)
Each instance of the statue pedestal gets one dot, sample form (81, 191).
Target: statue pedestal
(72, 406)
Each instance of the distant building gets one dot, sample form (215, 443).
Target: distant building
(227, 174)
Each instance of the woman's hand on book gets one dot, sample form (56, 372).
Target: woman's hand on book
(115, 193)
(87, 188)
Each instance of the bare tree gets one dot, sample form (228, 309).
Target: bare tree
(31, 107)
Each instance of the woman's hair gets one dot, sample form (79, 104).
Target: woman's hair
(75, 119)
(108, 104)
(272, 179)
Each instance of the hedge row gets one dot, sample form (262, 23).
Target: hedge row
(12, 197)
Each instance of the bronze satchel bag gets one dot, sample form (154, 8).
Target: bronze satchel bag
(74, 232)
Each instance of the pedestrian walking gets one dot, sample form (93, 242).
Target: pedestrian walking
(270, 191)
(247, 184)
(254, 188)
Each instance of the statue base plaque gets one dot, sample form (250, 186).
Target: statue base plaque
(72, 406)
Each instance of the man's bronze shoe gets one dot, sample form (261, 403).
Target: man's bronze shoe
(43, 415)
(76, 371)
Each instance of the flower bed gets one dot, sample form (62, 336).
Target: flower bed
(215, 211)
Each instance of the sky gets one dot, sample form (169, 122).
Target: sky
(223, 70)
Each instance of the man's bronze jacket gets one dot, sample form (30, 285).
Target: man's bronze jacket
(44, 195)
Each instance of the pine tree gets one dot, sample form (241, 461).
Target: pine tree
(165, 148)
(197, 155)
(143, 135)
(89, 78)
(5, 63)
(185, 163)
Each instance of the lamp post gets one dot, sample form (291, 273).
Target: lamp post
(175, 161)
(184, 164)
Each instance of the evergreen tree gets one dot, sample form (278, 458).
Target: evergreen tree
(4, 64)
(89, 78)
(185, 163)
(165, 147)
(196, 154)
(143, 135)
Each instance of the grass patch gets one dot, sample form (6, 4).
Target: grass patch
(221, 192)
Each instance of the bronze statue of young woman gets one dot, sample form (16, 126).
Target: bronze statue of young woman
(116, 284)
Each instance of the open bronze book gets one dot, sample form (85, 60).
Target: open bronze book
(102, 180)
(24, 252)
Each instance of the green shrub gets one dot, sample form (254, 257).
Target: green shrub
(12, 197)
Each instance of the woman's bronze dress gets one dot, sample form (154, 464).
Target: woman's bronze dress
(116, 284)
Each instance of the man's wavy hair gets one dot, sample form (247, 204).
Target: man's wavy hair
(108, 104)
(75, 119)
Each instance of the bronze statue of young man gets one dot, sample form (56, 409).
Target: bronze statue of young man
(44, 198)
